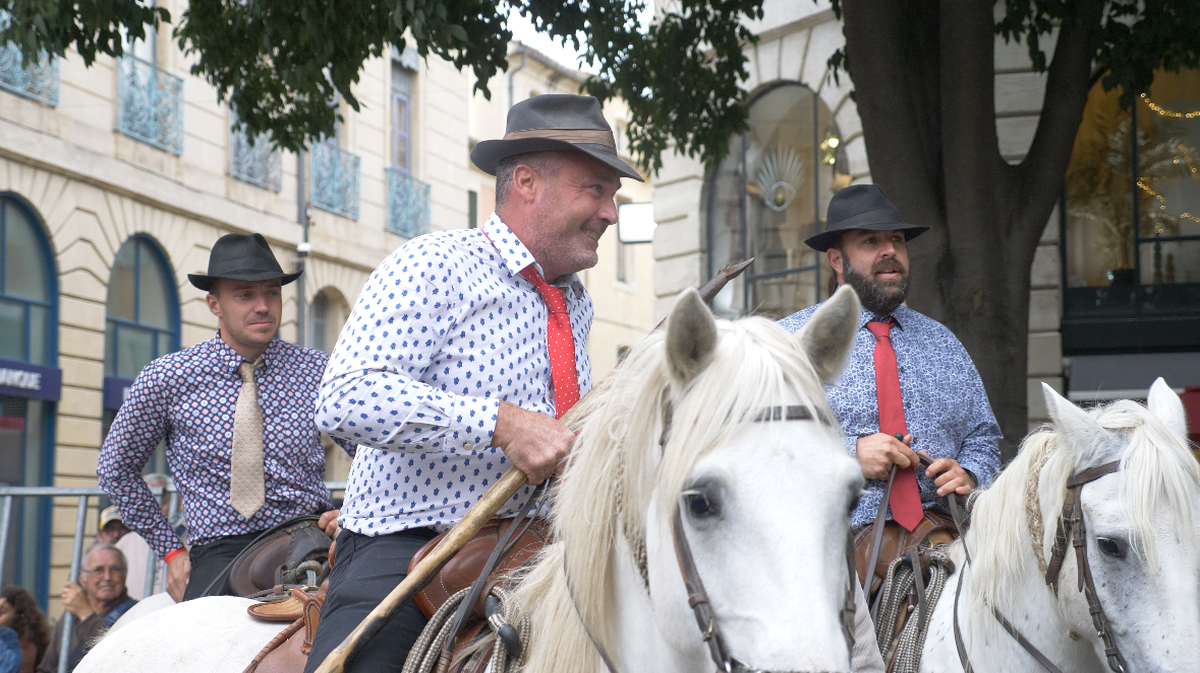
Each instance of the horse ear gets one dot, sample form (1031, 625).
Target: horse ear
(1082, 431)
(828, 336)
(1166, 406)
(691, 337)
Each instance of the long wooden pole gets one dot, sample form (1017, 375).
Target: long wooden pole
(462, 532)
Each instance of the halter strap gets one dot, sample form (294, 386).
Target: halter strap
(1071, 530)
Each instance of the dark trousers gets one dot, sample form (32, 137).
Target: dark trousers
(209, 562)
(365, 570)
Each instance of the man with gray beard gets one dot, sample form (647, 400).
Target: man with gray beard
(909, 385)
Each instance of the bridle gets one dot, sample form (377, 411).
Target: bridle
(698, 600)
(1071, 531)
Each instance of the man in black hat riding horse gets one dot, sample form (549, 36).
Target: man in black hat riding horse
(236, 413)
(909, 385)
(462, 350)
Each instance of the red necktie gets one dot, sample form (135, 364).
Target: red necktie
(562, 343)
(905, 500)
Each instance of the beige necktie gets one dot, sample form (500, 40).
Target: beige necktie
(246, 490)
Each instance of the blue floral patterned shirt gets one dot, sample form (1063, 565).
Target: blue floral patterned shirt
(188, 399)
(945, 407)
(444, 330)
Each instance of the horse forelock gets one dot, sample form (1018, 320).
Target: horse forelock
(755, 364)
(1159, 477)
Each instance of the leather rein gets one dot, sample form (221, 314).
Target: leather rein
(1071, 531)
(698, 600)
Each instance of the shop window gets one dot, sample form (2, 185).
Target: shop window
(30, 384)
(142, 323)
(769, 195)
(1131, 231)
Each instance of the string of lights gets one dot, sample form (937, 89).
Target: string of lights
(1168, 113)
(1144, 183)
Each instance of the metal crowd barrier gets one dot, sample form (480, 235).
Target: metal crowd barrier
(155, 575)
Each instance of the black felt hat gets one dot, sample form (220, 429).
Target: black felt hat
(861, 207)
(554, 122)
(241, 257)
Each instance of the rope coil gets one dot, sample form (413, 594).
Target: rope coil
(426, 652)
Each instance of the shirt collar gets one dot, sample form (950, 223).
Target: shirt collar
(231, 359)
(900, 315)
(516, 256)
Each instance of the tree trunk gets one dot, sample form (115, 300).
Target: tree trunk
(924, 83)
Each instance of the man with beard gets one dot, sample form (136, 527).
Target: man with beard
(463, 349)
(909, 384)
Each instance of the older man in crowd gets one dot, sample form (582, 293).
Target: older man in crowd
(97, 603)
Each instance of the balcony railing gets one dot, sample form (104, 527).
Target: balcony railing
(150, 104)
(258, 163)
(408, 204)
(334, 174)
(39, 82)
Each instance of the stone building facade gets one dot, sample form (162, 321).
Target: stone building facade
(806, 142)
(116, 179)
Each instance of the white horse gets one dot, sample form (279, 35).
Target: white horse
(1143, 548)
(765, 510)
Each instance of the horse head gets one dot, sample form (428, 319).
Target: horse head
(1142, 531)
(725, 425)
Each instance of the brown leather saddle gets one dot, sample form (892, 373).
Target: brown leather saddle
(294, 553)
(934, 529)
(467, 565)
(463, 570)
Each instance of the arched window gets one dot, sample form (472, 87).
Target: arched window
(768, 195)
(142, 309)
(143, 323)
(29, 386)
(327, 314)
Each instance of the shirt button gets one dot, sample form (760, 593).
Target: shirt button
(468, 446)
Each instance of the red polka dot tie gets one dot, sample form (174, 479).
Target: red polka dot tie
(562, 343)
(905, 499)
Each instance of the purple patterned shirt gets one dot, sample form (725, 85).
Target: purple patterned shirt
(444, 330)
(188, 399)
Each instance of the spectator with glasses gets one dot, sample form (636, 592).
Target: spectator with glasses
(97, 604)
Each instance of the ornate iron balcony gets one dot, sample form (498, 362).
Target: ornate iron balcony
(150, 104)
(408, 204)
(334, 174)
(39, 82)
(257, 164)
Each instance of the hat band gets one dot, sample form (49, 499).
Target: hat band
(591, 136)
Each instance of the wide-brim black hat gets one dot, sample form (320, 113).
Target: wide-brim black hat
(861, 207)
(554, 122)
(241, 257)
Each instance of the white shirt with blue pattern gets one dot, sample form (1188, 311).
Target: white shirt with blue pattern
(444, 330)
(946, 408)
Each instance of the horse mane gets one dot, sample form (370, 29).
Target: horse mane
(605, 491)
(1158, 475)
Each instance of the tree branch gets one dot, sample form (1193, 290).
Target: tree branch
(1067, 85)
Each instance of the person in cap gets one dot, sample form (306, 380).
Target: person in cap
(939, 406)
(111, 528)
(451, 368)
(235, 413)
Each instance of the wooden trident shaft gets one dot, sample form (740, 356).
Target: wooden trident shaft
(462, 532)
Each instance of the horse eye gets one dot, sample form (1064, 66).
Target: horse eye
(1110, 547)
(854, 502)
(699, 505)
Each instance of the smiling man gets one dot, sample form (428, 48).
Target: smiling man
(236, 413)
(97, 602)
(907, 374)
(463, 349)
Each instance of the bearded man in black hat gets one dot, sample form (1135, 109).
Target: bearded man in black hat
(909, 384)
(462, 350)
(236, 415)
